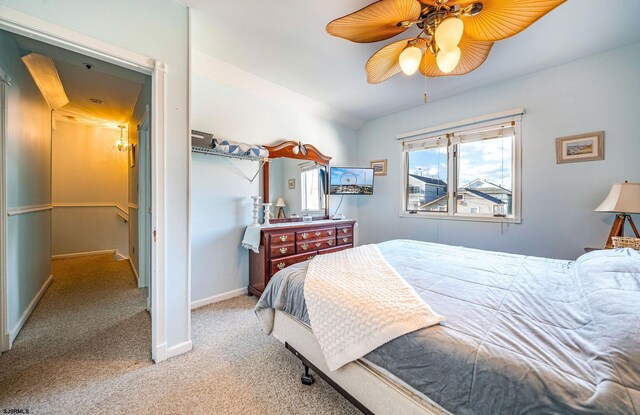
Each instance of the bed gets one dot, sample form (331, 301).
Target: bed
(522, 334)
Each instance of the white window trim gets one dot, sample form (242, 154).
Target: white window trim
(303, 168)
(514, 115)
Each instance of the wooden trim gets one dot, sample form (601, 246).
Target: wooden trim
(91, 204)
(285, 150)
(87, 253)
(29, 209)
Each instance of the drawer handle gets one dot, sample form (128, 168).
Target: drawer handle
(305, 236)
(318, 244)
(304, 247)
(345, 230)
(283, 238)
(330, 242)
(283, 250)
(318, 234)
(345, 239)
(329, 232)
(280, 265)
(310, 256)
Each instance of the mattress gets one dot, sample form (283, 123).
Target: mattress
(522, 334)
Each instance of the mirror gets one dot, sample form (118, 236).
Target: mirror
(296, 187)
(295, 181)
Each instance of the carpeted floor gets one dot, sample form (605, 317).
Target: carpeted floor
(86, 350)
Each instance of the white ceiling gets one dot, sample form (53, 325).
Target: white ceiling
(285, 42)
(118, 88)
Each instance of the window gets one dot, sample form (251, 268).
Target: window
(312, 179)
(469, 173)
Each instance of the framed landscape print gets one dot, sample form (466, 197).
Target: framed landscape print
(582, 147)
(379, 167)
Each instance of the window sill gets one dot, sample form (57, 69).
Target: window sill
(460, 217)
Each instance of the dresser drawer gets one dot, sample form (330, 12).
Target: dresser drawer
(344, 231)
(281, 263)
(280, 238)
(282, 250)
(314, 245)
(343, 240)
(335, 249)
(314, 234)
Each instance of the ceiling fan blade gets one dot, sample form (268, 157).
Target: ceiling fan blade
(500, 19)
(473, 53)
(378, 21)
(384, 63)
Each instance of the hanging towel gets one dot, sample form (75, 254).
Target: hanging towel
(251, 238)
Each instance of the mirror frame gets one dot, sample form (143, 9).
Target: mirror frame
(285, 150)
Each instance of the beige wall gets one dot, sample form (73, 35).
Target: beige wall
(87, 168)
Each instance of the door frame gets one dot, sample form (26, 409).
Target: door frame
(143, 201)
(5, 337)
(38, 29)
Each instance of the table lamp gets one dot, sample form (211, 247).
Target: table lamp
(280, 205)
(624, 198)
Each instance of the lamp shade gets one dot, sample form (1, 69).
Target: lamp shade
(410, 60)
(280, 202)
(623, 198)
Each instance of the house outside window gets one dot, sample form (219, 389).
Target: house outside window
(467, 173)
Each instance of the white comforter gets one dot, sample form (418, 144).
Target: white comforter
(358, 302)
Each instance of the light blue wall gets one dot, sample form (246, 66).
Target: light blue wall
(601, 92)
(157, 29)
(221, 192)
(28, 147)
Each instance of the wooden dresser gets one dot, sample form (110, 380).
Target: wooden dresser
(288, 244)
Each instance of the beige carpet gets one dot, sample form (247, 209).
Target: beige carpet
(86, 350)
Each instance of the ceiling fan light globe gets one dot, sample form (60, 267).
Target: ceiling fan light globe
(410, 60)
(447, 61)
(448, 33)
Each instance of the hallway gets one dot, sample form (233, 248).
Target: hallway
(90, 325)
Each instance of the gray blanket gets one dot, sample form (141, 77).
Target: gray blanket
(522, 334)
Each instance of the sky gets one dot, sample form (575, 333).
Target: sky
(339, 175)
(489, 160)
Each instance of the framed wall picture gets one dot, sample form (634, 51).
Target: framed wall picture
(379, 167)
(582, 147)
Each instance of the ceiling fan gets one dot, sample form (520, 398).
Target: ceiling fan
(456, 35)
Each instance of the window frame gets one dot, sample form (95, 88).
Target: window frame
(304, 168)
(494, 120)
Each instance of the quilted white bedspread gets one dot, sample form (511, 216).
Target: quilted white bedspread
(358, 302)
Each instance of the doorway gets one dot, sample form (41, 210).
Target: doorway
(155, 256)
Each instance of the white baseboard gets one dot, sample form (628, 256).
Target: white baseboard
(32, 305)
(88, 253)
(135, 273)
(160, 354)
(179, 349)
(217, 298)
(116, 254)
(5, 342)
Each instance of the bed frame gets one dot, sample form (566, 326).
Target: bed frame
(369, 388)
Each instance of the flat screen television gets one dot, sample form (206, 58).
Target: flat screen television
(351, 181)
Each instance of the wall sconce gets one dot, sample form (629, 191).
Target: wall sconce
(122, 145)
